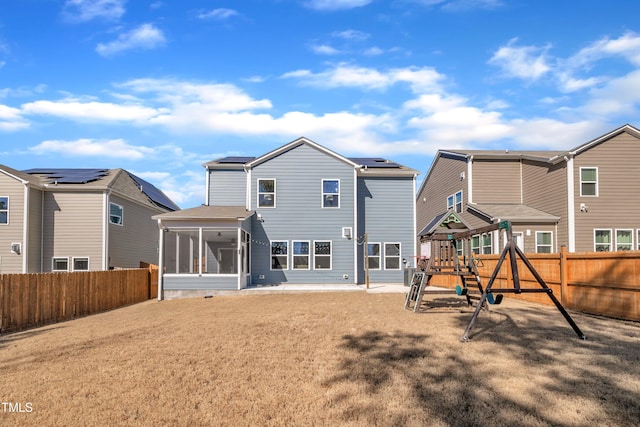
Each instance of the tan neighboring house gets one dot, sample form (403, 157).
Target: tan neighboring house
(77, 220)
(585, 198)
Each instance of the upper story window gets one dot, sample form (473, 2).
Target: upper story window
(589, 181)
(454, 201)
(4, 210)
(330, 193)
(266, 193)
(115, 214)
(544, 242)
(602, 241)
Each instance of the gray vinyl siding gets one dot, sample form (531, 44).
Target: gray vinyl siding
(298, 215)
(227, 187)
(13, 232)
(385, 214)
(618, 199)
(72, 227)
(199, 283)
(136, 239)
(496, 181)
(545, 188)
(34, 254)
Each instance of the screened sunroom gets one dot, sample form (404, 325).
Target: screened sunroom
(203, 249)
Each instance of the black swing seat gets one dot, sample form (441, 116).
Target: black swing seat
(494, 300)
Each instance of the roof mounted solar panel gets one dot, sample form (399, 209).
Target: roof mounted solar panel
(69, 176)
(153, 193)
(235, 159)
(374, 162)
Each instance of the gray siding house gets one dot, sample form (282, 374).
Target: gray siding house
(301, 214)
(567, 198)
(77, 220)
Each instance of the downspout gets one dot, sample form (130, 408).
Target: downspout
(571, 213)
(25, 230)
(105, 231)
(207, 186)
(470, 180)
(160, 261)
(415, 230)
(355, 226)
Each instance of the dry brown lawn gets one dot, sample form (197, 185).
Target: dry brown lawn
(326, 359)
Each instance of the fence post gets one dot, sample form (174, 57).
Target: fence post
(563, 275)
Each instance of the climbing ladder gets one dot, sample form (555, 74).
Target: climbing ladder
(445, 259)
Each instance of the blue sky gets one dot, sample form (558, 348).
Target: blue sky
(160, 87)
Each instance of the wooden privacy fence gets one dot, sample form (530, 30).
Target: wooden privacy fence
(28, 300)
(603, 283)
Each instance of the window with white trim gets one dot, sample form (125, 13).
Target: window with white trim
(392, 256)
(330, 193)
(279, 255)
(300, 254)
(475, 244)
(80, 264)
(458, 201)
(624, 240)
(638, 240)
(4, 210)
(115, 214)
(60, 264)
(486, 243)
(373, 256)
(450, 202)
(588, 181)
(266, 193)
(602, 241)
(460, 247)
(322, 255)
(544, 242)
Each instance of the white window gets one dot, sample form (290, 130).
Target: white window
(544, 242)
(4, 210)
(454, 202)
(475, 244)
(460, 247)
(279, 255)
(266, 193)
(624, 240)
(373, 256)
(322, 255)
(81, 264)
(60, 264)
(330, 193)
(588, 181)
(486, 243)
(115, 214)
(300, 255)
(458, 201)
(392, 256)
(602, 240)
(638, 240)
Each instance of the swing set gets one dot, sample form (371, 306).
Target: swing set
(445, 259)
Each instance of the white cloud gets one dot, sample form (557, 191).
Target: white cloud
(115, 148)
(87, 10)
(146, 36)
(344, 75)
(351, 35)
(335, 4)
(524, 62)
(325, 49)
(11, 119)
(104, 111)
(219, 14)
